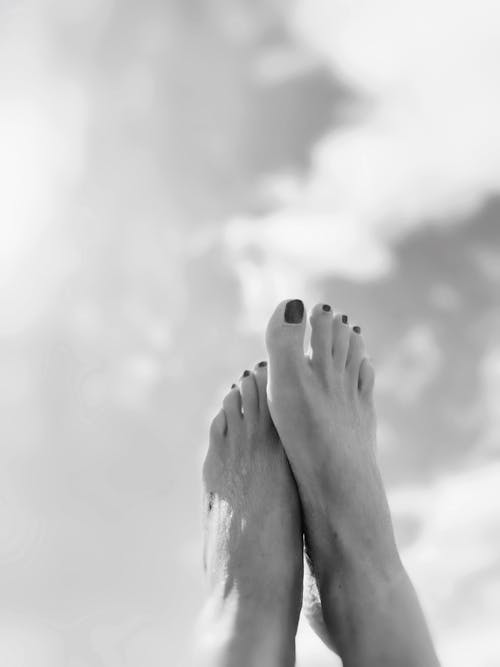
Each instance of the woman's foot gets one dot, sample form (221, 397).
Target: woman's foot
(323, 409)
(253, 534)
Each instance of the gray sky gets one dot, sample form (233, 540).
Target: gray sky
(170, 171)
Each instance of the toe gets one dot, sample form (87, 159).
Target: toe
(249, 397)
(232, 409)
(355, 355)
(321, 336)
(260, 373)
(341, 334)
(286, 328)
(218, 427)
(366, 378)
(285, 342)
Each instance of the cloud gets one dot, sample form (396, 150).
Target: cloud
(43, 119)
(453, 558)
(454, 561)
(424, 147)
(429, 144)
(417, 359)
(29, 642)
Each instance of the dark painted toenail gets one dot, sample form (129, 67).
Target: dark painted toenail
(326, 308)
(345, 319)
(294, 312)
(356, 329)
(262, 364)
(233, 386)
(246, 374)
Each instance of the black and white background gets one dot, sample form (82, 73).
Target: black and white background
(169, 169)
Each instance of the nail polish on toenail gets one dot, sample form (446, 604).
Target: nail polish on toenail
(233, 386)
(294, 312)
(246, 374)
(326, 308)
(345, 319)
(357, 329)
(262, 364)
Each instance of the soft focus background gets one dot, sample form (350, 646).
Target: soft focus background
(169, 169)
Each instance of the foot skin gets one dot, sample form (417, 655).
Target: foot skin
(323, 409)
(322, 406)
(253, 534)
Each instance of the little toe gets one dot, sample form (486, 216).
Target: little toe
(355, 355)
(366, 378)
(232, 409)
(341, 334)
(249, 397)
(321, 336)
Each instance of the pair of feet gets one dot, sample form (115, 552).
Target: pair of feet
(291, 463)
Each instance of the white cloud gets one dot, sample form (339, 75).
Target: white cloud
(416, 358)
(29, 642)
(430, 143)
(454, 562)
(43, 120)
(424, 147)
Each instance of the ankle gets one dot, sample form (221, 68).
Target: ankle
(249, 631)
(354, 543)
(374, 617)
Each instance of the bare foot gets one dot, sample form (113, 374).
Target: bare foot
(323, 409)
(253, 533)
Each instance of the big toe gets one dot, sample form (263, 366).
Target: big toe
(285, 339)
(286, 327)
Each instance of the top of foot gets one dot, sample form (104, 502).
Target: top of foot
(250, 492)
(253, 533)
(322, 405)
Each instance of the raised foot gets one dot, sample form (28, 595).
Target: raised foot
(253, 533)
(322, 406)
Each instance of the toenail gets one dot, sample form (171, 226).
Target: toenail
(326, 308)
(345, 319)
(246, 374)
(357, 329)
(262, 364)
(233, 386)
(294, 312)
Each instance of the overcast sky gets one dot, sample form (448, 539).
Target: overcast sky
(168, 172)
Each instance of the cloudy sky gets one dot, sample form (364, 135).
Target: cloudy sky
(169, 171)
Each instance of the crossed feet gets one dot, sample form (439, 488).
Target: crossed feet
(291, 464)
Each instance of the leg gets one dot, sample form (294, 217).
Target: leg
(253, 535)
(323, 410)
